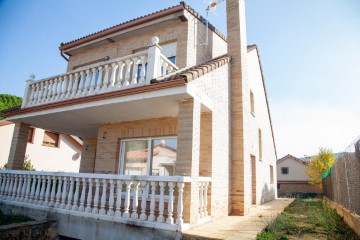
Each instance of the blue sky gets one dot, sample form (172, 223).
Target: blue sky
(310, 52)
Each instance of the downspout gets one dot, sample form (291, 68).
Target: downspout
(62, 54)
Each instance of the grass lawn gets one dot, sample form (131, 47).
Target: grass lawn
(9, 219)
(307, 219)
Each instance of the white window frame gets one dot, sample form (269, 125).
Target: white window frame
(148, 164)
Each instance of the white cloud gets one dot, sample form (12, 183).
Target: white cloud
(302, 128)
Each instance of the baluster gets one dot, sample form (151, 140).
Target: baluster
(93, 81)
(205, 199)
(28, 189)
(47, 192)
(99, 82)
(76, 196)
(119, 81)
(114, 67)
(50, 90)
(64, 193)
(180, 207)
(14, 188)
(32, 95)
(127, 199)
(106, 78)
(2, 178)
(135, 202)
(170, 69)
(70, 195)
(37, 192)
(170, 218)
(118, 198)
(103, 198)
(54, 90)
(201, 199)
(39, 97)
(160, 218)
(38, 91)
(152, 202)
(53, 192)
(83, 194)
(75, 85)
(143, 200)
(23, 190)
(127, 72)
(33, 188)
(46, 92)
(58, 194)
(9, 191)
(6, 186)
(142, 70)
(81, 87)
(19, 188)
(42, 191)
(110, 212)
(70, 86)
(134, 79)
(87, 83)
(64, 87)
(89, 197)
(95, 209)
(59, 88)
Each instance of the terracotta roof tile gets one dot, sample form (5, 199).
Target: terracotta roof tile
(195, 72)
(136, 21)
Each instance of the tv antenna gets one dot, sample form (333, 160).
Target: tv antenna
(211, 6)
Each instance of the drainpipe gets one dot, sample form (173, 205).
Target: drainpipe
(62, 54)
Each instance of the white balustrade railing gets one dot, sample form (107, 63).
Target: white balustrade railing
(146, 199)
(117, 74)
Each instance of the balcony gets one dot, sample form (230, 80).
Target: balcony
(117, 74)
(149, 201)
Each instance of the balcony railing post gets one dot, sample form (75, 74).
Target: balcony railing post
(27, 92)
(118, 198)
(153, 67)
(170, 218)
(110, 212)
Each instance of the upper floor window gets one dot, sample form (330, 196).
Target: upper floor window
(149, 156)
(252, 103)
(31, 135)
(51, 139)
(284, 170)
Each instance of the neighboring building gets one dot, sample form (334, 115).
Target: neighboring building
(292, 178)
(48, 151)
(177, 132)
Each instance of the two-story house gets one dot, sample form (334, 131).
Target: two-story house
(176, 132)
(292, 178)
(46, 150)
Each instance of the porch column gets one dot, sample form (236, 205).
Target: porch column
(88, 152)
(188, 155)
(18, 146)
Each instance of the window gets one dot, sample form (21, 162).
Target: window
(149, 156)
(31, 135)
(252, 104)
(271, 174)
(284, 170)
(51, 139)
(260, 145)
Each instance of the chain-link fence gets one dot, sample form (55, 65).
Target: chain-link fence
(341, 183)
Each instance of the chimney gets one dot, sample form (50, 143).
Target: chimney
(240, 164)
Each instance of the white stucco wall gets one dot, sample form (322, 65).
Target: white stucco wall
(265, 190)
(297, 171)
(64, 158)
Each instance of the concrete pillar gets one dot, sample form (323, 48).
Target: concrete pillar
(18, 146)
(88, 153)
(240, 179)
(188, 155)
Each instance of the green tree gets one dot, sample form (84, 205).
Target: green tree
(27, 166)
(8, 101)
(319, 164)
